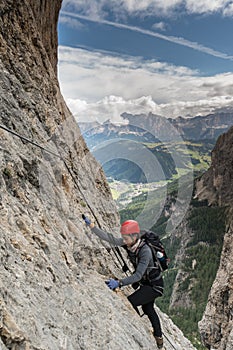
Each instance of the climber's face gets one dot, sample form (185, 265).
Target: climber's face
(129, 240)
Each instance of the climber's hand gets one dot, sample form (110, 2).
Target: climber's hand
(87, 221)
(112, 284)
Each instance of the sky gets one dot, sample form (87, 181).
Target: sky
(169, 57)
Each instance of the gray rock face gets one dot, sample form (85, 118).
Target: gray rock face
(216, 326)
(52, 290)
(46, 16)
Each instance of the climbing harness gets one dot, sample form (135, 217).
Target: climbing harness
(115, 250)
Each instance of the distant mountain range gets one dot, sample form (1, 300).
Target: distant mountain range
(152, 128)
(161, 136)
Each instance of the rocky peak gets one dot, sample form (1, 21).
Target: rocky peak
(216, 186)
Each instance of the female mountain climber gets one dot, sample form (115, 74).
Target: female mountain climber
(146, 279)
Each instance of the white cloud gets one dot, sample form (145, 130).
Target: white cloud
(159, 25)
(111, 108)
(149, 7)
(92, 8)
(92, 75)
(122, 8)
(206, 6)
(173, 39)
(71, 22)
(228, 10)
(99, 86)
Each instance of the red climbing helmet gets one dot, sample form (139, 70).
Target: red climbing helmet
(130, 226)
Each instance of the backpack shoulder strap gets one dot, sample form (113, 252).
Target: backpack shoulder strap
(142, 243)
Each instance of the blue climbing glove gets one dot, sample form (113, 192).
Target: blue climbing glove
(87, 221)
(112, 284)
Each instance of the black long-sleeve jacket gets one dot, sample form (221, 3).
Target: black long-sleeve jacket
(144, 263)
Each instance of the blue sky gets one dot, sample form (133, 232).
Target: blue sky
(168, 57)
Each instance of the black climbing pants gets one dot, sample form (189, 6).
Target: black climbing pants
(145, 297)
